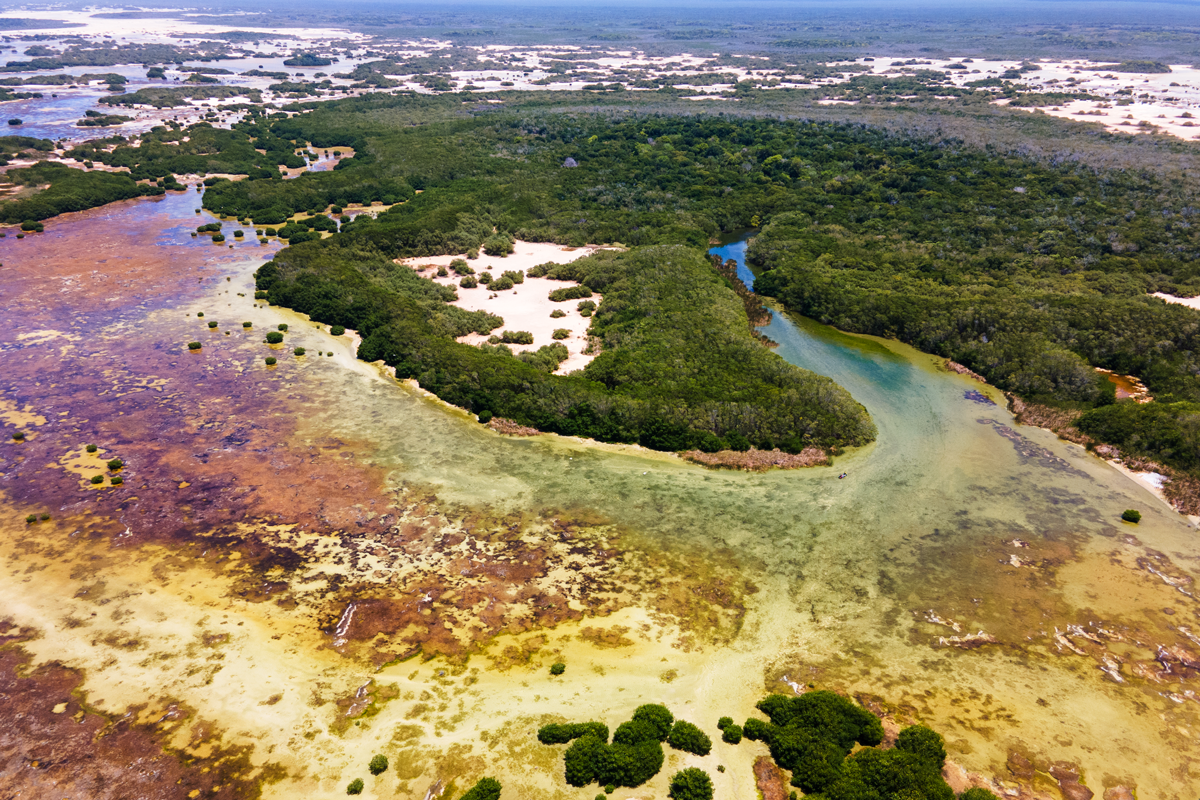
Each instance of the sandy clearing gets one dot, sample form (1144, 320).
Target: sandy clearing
(1190, 302)
(527, 306)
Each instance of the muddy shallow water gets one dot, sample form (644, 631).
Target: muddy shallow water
(308, 563)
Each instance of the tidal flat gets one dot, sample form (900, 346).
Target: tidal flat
(309, 563)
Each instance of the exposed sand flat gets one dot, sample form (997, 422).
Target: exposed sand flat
(527, 306)
(1190, 302)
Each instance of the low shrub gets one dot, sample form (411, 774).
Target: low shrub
(561, 333)
(30, 519)
(924, 743)
(516, 337)
(498, 244)
(461, 267)
(586, 308)
(570, 293)
(337, 330)
(218, 237)
(247, 324)
(555, 733)
(690, 784)
(977, 794)
(485, 278)
(378, 764)
(212, 324)
(731, 734)
(485, 417)
(687, 737)
(1131, 515)
(724, 722)
(97, 480)
(299, 351)
(485, 789)
(116, 480)
(260, 295)
(270, 361)
(19, 436)
(91, 448)
(557, 313)
(473, 253)
(33, 226)
(558, 668)
(540, 270)
(274, 337)
(199, 313)
(442, 272)
(270, 232)
(501, 284)
(514, 275)
(238, 234)
(115, 464)
(194, 345)
(355, 786)
(468, 282)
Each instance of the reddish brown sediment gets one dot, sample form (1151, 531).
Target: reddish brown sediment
(507, 427)
(770, 779)
(954, 366)
(755, 460)
(54, 745)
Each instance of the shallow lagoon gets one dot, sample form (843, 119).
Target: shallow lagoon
(315, 522)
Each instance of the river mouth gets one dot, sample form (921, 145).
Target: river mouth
(309, 562)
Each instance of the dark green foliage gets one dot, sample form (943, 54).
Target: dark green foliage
(337, 330)
(468, 282)
(299, 351)
(687, 737)
(194, 345)
(586, 308)
(557, 313)
(485, 789)
(1168, 433)
(485, 417)
(657, 717)
(282, 326)
(498, 244)
(274, 337)
(218, 238)
(32, 225)
(561, 333)
(355, 786)
(310, 60)
(977, 794)
(514, 275)
(32, 518)
(461, 267)
(561, 734)
(724, 722)
(116, 480)
(924, 743)
(271, 361)
(379, 764)
(485, 278)
(732, 734)
(238, 234)
(91, 448)
(758, 731)
(212, 323)
(247, 324)
(1131, 515)
(70, 190)
(97, 479)
(570, 293)
(19, 436)
(840, 720)
(812, 759)
(559, 668)
(581, 760)
(501, 284)
(690, 784)
(888, 774)
(516, 337)
(115, 464)
(635, 732)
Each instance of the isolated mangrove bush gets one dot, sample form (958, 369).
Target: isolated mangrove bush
(274, 337)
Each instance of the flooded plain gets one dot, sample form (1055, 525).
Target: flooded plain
(307, 563)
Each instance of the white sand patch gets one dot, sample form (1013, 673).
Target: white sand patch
(527, 306)
(1190, 302)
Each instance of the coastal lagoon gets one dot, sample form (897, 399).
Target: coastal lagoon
(309, 563)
